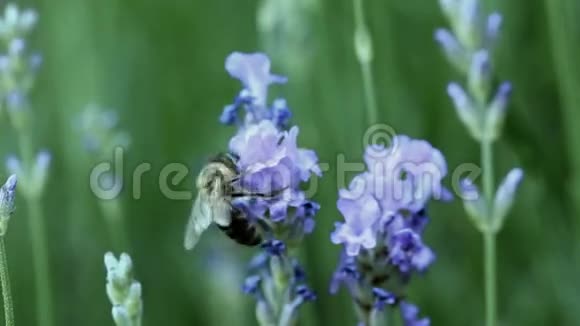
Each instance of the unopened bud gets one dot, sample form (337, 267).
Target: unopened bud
(495, 115)
(474, 203)
(466, 110)
(479, 75)
(7, 203)
(454, 52)
(504, 196)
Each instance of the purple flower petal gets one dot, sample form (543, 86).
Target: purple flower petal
(506, 192)
(410, 315)
(253, 70)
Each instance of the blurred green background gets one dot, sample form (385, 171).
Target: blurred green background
(161, 64)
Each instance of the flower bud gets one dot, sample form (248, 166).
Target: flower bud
(120, 316)
(133, 303)
(16, 46)
(286, 30)
(467, 24)
(11, 14)
(454, 52)
(465, 108)
(492, 28)
(28, 19)
(363, 45)
(124, 266)
(279, 273)
(504, 196)
(449, 7)
(40, 171)
(7, 202)
(495, 114)
(123, 291)
(479, 76)
(14, 166)
(264, 314)
(474, 203)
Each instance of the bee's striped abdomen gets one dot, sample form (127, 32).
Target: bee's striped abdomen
(241, 229)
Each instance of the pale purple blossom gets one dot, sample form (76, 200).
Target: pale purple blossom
(504, 197)
(410, 315)
(359, 229)
(406, 175)
(253, 70)
(271, 159)
(383, 298)
(493, 26)
(401, 179)
(408, 252)
(384, 211)
(271, 164)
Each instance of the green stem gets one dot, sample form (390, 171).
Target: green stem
(369, 94)
(490, 279)
(287, 316)
(37, 234)
(364, 53)
(5, 279)
(41, 266)
(489, 236)
(375, 318)
(113, 214)
(487, 167)
(393, 318)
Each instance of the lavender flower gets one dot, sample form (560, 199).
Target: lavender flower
(18, 70)
(384, 209)
(476, 35)
(123, 290)
(7, 202)
(101, 137)
(99, 132)
(383, 298)
(253, 70)
(361, 221)
(481, 110)
(286, 29)
(17, 66)
(408, 251)
(7, 206)
(483, 113)
(504, 196)
(271, 162)
(410, 315)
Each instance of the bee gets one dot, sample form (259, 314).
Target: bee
(217, 187)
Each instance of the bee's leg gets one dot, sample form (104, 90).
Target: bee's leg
(250, 194)
(243, 193)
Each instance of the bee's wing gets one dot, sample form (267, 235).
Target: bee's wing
(222, 213)
(199, 220)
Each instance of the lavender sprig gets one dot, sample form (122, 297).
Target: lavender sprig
(363, 48)
(384, 210)
(286, 29)
(271, 162)
(468, 47)
(123, 290)
(99, 129)
(7, 206)
(101, 136)
(18, 69)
